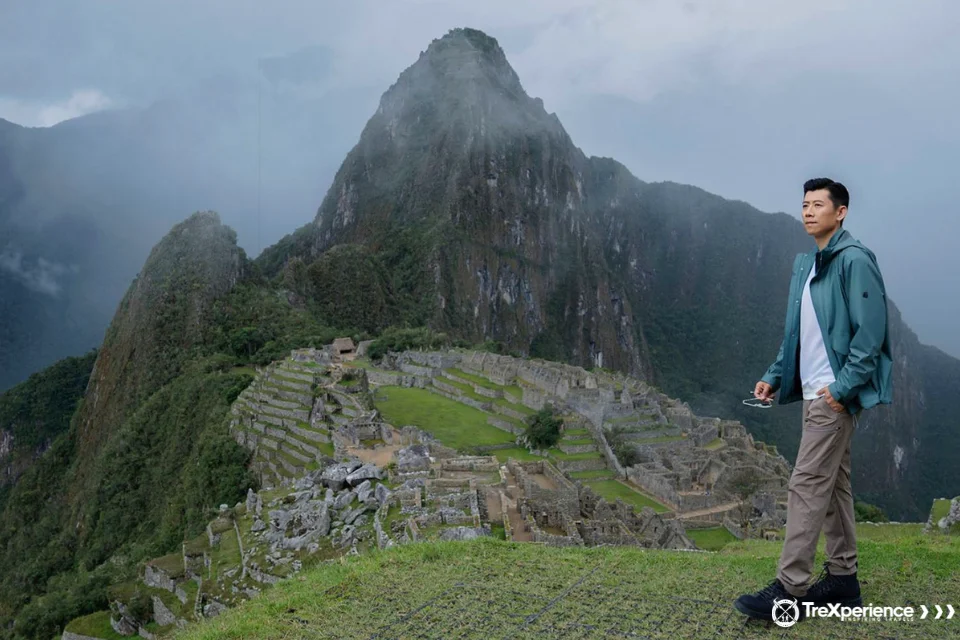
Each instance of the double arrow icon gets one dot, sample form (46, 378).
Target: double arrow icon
(950, 612)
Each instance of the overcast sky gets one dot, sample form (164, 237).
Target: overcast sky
(744, 98)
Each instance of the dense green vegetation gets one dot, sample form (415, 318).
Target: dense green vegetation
(712, 539)
(864, 512)
(163, 468)
(543, 428)
(39, 409)
(404, 339)
(622, 447)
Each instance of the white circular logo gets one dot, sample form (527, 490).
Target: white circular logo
(785, 612)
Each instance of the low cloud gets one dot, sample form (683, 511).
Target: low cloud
(38, 275)
(39, 114)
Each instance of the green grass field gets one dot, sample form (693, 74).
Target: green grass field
(712, 539)
(613, 489)
(493, 589)
(454, 424)
(95, 625)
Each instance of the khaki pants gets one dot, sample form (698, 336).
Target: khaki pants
(820, 497)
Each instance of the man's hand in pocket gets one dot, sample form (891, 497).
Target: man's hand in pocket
(825, 394)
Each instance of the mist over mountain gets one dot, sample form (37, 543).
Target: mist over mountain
(82, 202)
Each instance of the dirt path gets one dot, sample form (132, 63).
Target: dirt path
(513, 512)
(380, 456)
(516, 523)
(493, 505)
(705, 512)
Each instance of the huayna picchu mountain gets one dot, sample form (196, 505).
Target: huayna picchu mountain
(470, 209)
(464, 216)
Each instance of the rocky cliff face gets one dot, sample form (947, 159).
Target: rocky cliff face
(494, 225)
(158, 323)
(503, 205)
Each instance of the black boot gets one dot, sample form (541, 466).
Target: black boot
(760, 605)
(834, 589)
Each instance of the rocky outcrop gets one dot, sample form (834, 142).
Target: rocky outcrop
(199, 258)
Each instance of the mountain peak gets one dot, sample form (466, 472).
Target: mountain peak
(467, 51)
(463, 78)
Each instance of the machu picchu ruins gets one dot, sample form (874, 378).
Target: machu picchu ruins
(339, 474)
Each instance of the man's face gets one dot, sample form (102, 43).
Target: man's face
(820, 216)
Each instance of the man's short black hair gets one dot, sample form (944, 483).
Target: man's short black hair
(838, 193)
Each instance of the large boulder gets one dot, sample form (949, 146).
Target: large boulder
(416, 457)
(364, 490)
(336, 476)
(382, 494)
(366, 472)
(344, 499)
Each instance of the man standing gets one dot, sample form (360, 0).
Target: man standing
(835, 357)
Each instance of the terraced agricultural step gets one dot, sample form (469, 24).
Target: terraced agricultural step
(589, 464)
(309, 448)
(288, 374)
(288, 384)
(291, 448)
(599, 474)
(310, 434)
(651, 434)
(577, 439)
(296, 391)
(296, 367)
(284, 414)
(269, 443)
(577, 448)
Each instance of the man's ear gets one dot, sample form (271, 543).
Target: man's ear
(841, 213)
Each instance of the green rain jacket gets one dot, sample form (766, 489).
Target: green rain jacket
(850, 301)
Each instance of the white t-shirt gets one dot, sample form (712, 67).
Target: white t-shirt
(815, 370)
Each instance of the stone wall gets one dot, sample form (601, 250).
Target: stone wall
(510, 413)
(437, 388)
(734, 528)
(571, 539)
(554, 502)
(470, 463)
(390, 378)
(509, 427)
(158, 579)
(434, 360)
(655, 486)
(588, 464)
(417, 370)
